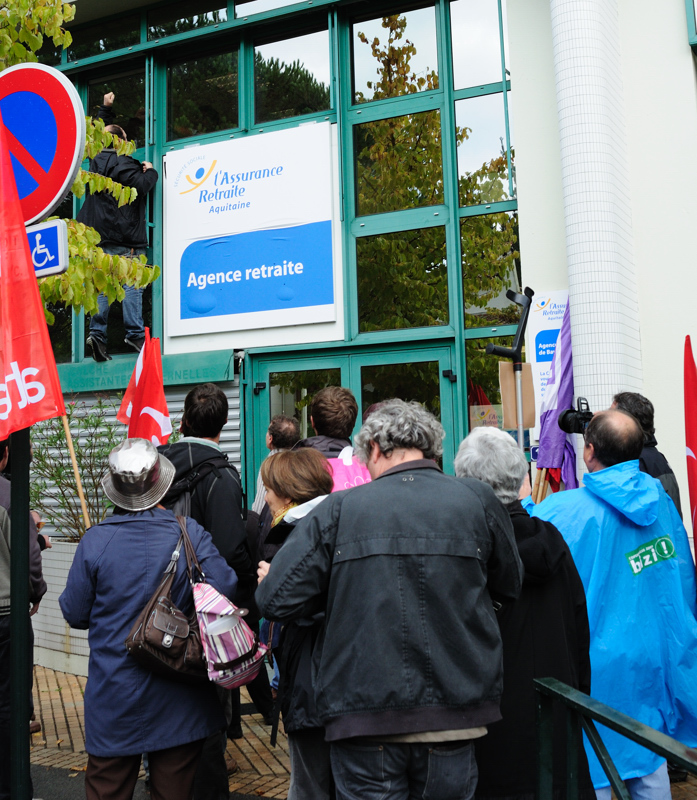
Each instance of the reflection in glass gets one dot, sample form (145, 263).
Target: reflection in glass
(129, 103)
(100, 38)
(483, 389)
(49, 54)
(291, 393)
(476, 42)
(402, 280)
(395, 55)
(416, 381)
(202, 95)
(61, 332)
(481, 150)
(245, 8)
(291, 77)
(399, 163)
(490, 266)
(184, 16)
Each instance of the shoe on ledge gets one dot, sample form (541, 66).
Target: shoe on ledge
(99, 351)
(136, 344)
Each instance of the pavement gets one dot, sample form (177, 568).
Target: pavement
(58, 757)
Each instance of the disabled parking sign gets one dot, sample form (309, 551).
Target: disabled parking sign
(44, 125)
(48, 244)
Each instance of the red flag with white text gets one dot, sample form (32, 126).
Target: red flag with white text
(30, 390)
(144, 406)
(691, 430)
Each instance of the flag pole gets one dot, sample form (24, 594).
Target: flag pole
(76, 471)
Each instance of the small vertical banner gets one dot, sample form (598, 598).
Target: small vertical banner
(144, 406)
(691, 429)
(29, 386)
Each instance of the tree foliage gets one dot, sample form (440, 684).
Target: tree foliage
(24, 25)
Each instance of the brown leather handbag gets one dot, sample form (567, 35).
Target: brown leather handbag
(163, 639)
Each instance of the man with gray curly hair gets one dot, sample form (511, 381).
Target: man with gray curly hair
(408, 670)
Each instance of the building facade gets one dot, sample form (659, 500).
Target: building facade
(457, 149)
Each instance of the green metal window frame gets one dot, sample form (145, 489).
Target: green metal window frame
(283, 23)
(691, 12)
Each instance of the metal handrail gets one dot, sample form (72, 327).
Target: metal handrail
(581, 712)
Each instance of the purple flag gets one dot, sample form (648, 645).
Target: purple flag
(556, 448)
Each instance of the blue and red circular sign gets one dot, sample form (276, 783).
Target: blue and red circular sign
(44, 123)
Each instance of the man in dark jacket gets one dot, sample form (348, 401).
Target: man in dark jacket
(333, 414)
(216, 504)
(545, 632)
(123, 231)
(651, 460)
(407, 672)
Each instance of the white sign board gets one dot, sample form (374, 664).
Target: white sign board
(544, 324)
(248, 232)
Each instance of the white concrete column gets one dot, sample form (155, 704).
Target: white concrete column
(602, 281)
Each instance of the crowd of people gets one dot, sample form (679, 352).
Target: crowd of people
(407, 617)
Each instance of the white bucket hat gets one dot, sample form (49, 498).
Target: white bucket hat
(138, 476)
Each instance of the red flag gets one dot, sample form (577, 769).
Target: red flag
(691, 430)
(29, 390)
(144, 407)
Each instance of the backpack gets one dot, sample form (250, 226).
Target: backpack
(178, 497)
(348, 471)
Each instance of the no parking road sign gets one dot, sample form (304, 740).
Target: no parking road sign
(45, 130)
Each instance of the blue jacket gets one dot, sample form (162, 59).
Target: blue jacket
(633, 556)
(117, 567)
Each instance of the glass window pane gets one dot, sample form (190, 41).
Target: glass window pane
(399, 163)
(490, 266)
(245, 8)
(202, 95)
(101, 38)
(291, 77)
(416, 381)
(476, 42)
(129, 103)
(184, 16)
(481, 150)
(395, 55)
(483, 388)
(50, 55)
(291, 393)
(61, 333)
(402, 280)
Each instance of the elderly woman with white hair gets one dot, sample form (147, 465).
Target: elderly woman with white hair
(545, 632)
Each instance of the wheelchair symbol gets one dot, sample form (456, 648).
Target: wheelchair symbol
(39, 251)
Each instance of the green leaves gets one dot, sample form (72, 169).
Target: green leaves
(25, 23)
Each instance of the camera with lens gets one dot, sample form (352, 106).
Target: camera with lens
(576, 420)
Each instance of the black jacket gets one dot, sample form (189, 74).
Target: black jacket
(655, 464)
(545, 635)
(406, 568)
(125, 226)
(326, 445)
(216, 504)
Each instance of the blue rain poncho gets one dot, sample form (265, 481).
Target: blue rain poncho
(632, 552)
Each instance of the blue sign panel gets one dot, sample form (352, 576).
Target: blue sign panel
(534, 452)
(258, 271)
(48, 244)
(546, 344)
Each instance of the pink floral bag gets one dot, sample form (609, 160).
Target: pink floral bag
(348, 471)
(234, 655)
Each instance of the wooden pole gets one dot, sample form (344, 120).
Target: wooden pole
(541, 485)
(81, 494)
(536, 487)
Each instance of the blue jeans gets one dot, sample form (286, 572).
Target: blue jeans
(365, 770)
(132, 305)
(655, 786)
